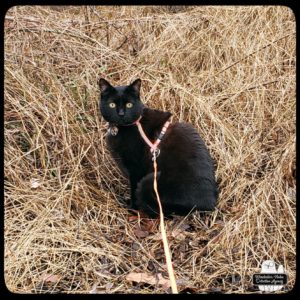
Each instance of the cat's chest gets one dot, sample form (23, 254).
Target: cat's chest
(127, 143)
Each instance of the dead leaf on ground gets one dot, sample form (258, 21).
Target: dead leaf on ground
(144, 228)
(182, 282)
(141, 233)
(184, 227)
(50, 278)
(150, 225)
(109, 286)
(179, 234)
(34, 183)
(132, 218)
(156, 279)
(94, 289)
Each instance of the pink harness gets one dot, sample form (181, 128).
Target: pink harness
(153, 146)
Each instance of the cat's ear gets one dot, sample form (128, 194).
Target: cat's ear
(157, 117)
(164, 116)
(104, 85)
(136, 85)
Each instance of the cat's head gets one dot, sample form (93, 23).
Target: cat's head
(120, 105)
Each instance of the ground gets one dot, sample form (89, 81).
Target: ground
(229, 71)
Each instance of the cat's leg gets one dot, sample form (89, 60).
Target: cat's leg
(133, 186)
(145, 196)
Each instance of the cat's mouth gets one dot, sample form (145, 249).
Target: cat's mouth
(124, 122)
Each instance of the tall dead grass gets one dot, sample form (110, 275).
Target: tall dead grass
(230, 71)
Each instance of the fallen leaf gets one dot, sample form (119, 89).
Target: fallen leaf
(179, 234)
(194, 243)
(216, 290)
(35, 183)
(156, 279)
(141, 233)
(183, 247)
(135, 246)
(94, 289)
(182, 282)
(184, 227)
(150, 225)
(235, 209)
(109, 286)
(132, 218)
(291, 193)
(50, 278)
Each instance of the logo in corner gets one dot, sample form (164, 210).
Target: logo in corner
(270, 279)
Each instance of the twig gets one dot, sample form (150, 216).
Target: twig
(248, 89)
(270, 44)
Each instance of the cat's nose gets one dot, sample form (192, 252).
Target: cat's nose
(121, 112)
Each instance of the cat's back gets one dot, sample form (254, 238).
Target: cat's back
(184, 152)
(183, 138)
(187, 168)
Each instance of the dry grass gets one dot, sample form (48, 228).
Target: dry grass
(230, 71)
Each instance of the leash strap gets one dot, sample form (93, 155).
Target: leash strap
(163, 233)
(155, 151)
(143, 135)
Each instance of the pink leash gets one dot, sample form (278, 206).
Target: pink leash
(155, 151)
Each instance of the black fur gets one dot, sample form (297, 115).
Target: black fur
(186, 178)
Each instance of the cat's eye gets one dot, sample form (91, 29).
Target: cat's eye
(129, 105)
(112, 105)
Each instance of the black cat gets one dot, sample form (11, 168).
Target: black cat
(186, 178)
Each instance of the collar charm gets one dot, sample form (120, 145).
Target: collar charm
(113, 130)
